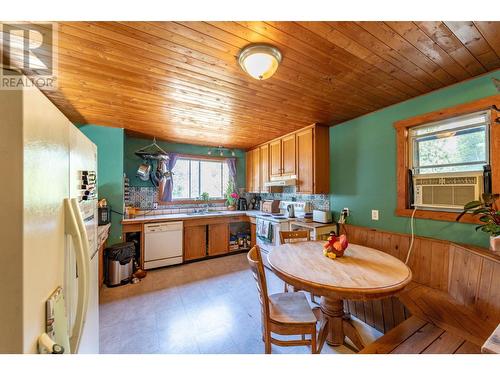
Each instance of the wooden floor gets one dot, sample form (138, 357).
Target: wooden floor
(416, 336)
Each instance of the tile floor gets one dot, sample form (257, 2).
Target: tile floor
(204, 307)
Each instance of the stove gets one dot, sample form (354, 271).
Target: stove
(276, 218)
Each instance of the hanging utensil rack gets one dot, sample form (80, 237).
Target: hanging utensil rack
(152, 151)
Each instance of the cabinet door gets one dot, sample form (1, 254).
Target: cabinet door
(218, 239)
(264, 167)
(275, 158)
(256, 170)
(195, 242)
(288, 152)
(305, 161)
(253, 234)
(249, 171)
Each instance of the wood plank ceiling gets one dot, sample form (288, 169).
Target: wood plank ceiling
(180, 81)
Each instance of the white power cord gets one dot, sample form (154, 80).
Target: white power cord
(412, 235)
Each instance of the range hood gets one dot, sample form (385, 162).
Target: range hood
(290, 180)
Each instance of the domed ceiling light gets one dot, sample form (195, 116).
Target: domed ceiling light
(260, 60)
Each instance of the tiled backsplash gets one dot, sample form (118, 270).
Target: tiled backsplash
(144, 198)
(319, 201)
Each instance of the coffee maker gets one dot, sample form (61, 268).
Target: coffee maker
(257, 202)
(242, 204)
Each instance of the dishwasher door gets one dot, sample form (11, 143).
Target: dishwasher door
(162, 244)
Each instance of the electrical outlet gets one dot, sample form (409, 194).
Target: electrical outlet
(374, 214)
(155, 206)
(346, 210)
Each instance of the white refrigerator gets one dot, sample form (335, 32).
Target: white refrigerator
(82, 162)
(48, 225)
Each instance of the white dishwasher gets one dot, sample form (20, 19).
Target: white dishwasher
(162, 244)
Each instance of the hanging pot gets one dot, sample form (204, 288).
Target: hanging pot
(143, 171)
(155, 178)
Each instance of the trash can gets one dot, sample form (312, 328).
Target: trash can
(119, 263)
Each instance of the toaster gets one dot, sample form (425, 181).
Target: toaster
(322, 216)
(271, 206)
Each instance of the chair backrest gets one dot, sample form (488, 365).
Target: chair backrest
(255, 260)
(294, 236)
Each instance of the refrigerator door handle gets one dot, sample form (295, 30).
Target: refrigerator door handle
(74, 226)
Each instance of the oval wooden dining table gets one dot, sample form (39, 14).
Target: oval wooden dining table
(362, 273)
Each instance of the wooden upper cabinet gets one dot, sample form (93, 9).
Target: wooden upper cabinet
(305, 153)
(321, 159)
(249, 171)
(264, 167)
(256, 170)
(275, 158)
(305, 161)
(288, 159)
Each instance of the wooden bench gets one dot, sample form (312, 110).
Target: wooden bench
(417, 336)
(452, 306)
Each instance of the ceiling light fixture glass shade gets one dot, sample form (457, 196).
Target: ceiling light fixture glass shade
(260, 60)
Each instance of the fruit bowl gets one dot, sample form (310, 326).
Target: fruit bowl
(335, 246)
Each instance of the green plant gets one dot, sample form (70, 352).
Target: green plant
(489, 214)
(205, 197)
(231, 195)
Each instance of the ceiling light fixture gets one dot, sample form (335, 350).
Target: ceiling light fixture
(260, 60)
(221, 150)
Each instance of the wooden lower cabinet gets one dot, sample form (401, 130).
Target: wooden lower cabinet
(218, 239)
(253, 234)
(195, 242)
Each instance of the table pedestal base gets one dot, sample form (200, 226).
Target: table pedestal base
(335, 326)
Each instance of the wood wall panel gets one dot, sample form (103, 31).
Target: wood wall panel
(469, 275)
(180, 81)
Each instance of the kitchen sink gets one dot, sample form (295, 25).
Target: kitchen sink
(203, 213)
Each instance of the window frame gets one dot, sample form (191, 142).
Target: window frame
(190, 200)
(403, 162)
(411, 142)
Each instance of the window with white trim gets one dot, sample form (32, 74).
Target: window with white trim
(194, 176)
(458, 144)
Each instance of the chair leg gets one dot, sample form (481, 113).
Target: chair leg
(303, 337)
(267, 343)
(313, 299)
(314, 349)
(286, 288)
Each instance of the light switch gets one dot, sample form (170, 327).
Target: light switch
(374, 214)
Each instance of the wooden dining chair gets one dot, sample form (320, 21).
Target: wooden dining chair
(295, 236)
(282, 313)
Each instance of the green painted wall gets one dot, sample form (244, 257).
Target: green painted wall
(109, 143)
(363, 163)
(132, 161)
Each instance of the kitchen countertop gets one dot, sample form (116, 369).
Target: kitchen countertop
(102, 233)
(184, 216)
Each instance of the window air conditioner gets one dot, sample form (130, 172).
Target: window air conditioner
(447, 190)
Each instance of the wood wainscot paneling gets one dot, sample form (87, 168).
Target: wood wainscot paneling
(462, 276)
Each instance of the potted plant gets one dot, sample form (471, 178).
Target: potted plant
(231, 196)
(489, 217)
